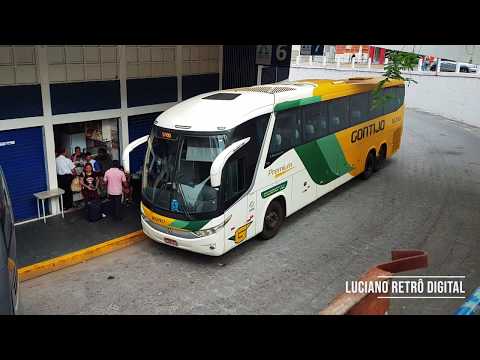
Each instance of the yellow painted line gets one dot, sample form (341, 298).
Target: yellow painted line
(48, 266)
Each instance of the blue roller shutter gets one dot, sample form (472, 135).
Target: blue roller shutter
(138, 126)
(23, 163)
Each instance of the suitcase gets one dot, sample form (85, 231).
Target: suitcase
(94, 210)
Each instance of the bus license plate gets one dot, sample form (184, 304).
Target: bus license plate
(170, 241)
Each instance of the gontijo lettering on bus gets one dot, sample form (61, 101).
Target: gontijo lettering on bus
(366, 131)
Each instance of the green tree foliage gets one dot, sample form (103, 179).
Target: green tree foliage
(397, 62)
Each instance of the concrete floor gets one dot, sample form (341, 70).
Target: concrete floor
(37, 241)
(427, 197)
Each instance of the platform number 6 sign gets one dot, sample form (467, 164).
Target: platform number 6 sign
(275, 55)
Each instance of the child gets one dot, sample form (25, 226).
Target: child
(127, 189)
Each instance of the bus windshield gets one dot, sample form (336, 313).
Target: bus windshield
(176, 174)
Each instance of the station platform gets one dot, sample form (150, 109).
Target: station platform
(37, 241)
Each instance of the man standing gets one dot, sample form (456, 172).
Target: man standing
(77, 155)
(115, 179)
(91, 160)
(65, 173)
(104, 159)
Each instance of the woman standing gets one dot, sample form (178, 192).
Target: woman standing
(89, 182)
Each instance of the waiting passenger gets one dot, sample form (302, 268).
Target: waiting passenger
(104, 159)
(65, 173)
(89, 182)
(77, 155)
(115, 180)
(95, 164)
(127, 188)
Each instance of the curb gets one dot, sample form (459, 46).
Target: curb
(76, 257)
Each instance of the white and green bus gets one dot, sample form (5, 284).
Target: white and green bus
(223, 167)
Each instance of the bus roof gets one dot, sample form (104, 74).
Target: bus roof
(225, 109)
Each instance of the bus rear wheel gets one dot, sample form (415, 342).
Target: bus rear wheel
(369, 165)
(273, 220)
(382, 156)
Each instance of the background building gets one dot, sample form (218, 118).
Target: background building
(344, 53)
(97, 96)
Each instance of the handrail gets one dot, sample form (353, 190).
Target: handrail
(129, 148)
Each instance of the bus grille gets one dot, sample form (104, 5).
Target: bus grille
(170, 230)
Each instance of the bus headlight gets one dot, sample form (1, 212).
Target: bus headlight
(212, 230)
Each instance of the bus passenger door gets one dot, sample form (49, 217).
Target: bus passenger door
(234, 185)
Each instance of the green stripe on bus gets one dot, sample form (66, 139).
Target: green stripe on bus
(273, 190)
(296, 103)
(192, 225)
(323, 159)
(189, 225)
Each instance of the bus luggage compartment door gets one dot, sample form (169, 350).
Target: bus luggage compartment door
(303, 190)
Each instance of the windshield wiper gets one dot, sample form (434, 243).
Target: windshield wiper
(180, 190)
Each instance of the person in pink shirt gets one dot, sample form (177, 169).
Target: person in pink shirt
(115, 179)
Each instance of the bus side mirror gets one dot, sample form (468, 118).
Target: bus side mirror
(221, 159)
(129, 148)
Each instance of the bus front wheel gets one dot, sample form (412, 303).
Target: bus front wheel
(273, 220)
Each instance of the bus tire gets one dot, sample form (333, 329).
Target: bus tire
(369, 165)
(382, 156)
(273, 220)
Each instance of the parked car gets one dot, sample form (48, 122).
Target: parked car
(8, 253)
(451, 66)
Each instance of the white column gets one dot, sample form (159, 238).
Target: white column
(259, 74)
(457, 67)
(353, 63)
(338, 63)
(220, 67)
(49, 140)
(179, 70)
(439, 63)
(324, 61)
(369, 63)
(420, 63)
(122, 72)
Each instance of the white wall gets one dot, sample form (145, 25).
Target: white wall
(461, 53)
(454, 96)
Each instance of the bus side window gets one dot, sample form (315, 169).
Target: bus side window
(377, 111)
(286, 134)
(337, 114)
(238, 173)
(234, 178)
(390, 105)
(358, 108)
(400, 95)
(315, 121)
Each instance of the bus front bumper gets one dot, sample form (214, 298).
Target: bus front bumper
(212, 245)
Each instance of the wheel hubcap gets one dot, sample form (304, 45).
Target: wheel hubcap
(272, 219)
